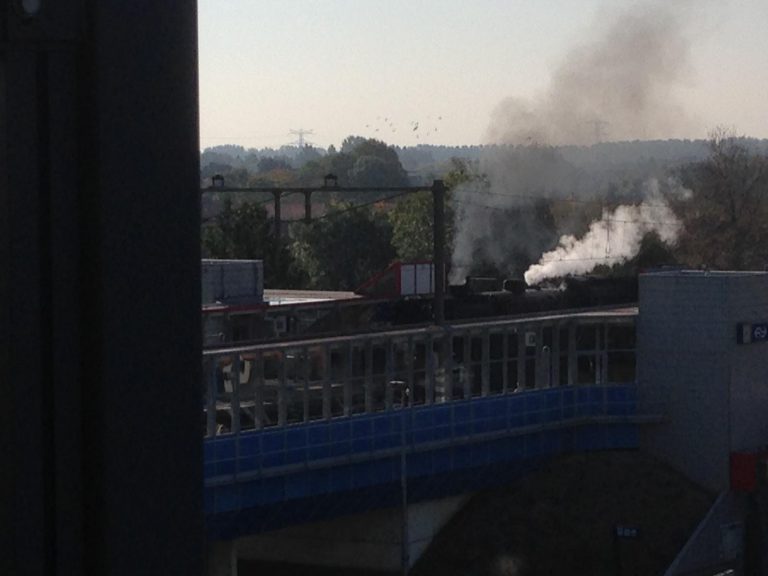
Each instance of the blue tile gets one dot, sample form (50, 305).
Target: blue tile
(341, 480)
(209, 450)
(497, 424)
(251, 495)
(462, 457)
(296, 456)
(462, 429)
(534, 401)
(362, 427)
(361, 444)
(272, 441)
(318, 452)
(249, 445)
(209, 470)
(318, 434)
(227, 498)
(383, 441)
(442, 432)
(532, 418)
(480, 454)
(498, 451)
(296, 486)
(516, 420)
(249, 463)
(420, 464)
(442, 460)
(382, 471)
(382, 424)
(462, 413)
(429, 435)
(361, 475)
(481, 409)
(423, 419)
(224, 448)
(516, 447)
(339, 448)
(273, 459)
(225, 467)
(295, 438)
(319, 481)
(272, 490)
(441, 415)
(340, 430)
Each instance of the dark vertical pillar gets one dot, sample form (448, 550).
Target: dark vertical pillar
(308, 207)
(99, 349)
(438, 196)
(278, 215)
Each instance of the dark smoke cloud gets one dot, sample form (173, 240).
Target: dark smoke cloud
(618, 86)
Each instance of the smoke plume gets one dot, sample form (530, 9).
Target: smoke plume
(619, 86)
(613, 239)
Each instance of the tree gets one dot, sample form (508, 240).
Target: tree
(371, 171)
(726, 221)
(344, 248)
(246, 232)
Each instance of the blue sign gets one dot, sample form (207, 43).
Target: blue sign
(751, 333)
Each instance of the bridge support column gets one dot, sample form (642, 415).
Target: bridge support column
(222, 558)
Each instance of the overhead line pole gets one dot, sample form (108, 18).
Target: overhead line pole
(438, 249)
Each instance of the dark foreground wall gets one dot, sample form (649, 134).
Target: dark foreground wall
(99, 289)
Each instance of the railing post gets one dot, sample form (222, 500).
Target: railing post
(258, 392)
(572, 356)
(429, 369)
(282, 400)
(522, 356)
(447, 364)
(326, 381)
(347, 375)
(555, 356)
(467, 372)
(369, 375)
(212, 385)
(305, 375)
(390, 374)
(234, 377)
(485, 370)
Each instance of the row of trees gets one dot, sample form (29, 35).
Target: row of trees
(724, 222)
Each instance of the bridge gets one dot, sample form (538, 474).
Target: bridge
(307, 430)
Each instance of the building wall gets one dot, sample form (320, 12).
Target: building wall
(715, 388)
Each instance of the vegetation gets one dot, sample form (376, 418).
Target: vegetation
(723, 215)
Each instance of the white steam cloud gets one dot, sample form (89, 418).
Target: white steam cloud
(613, 239)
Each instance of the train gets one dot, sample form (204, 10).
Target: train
(403, 295)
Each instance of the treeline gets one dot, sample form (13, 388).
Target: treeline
(532, 197)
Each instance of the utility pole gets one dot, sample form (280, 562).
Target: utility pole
(301, 133)
(438, 241)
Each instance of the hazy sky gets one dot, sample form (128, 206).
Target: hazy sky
(341, 67)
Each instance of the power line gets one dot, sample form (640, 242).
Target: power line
(355, 207)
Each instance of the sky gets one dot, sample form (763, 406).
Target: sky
(414, 72)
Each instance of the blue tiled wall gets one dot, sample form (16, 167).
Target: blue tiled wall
(244, 471)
